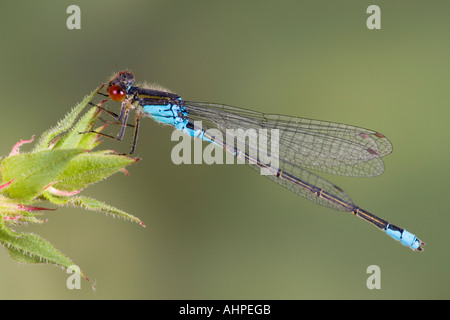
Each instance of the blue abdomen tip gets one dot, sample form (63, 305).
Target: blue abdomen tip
(405, 237)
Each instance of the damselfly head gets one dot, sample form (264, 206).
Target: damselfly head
(119, 84)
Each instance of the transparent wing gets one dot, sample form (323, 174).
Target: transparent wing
(318, 145)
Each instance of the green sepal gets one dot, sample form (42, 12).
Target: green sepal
(31, 248)
(34, 171)
(89, 168)
(74, 139)
(65, 124)
(92, 205)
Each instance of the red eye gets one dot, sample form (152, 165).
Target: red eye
(116, 93)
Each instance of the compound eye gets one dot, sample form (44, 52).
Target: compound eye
(116, 93)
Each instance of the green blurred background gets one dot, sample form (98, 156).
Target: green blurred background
(224, 232)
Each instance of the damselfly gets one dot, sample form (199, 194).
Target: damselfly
(304, 144)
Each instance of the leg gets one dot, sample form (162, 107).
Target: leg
(123, 123)
(112, 114)
(135, 136)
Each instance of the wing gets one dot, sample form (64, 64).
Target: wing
(320, 145)
(313, 144)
